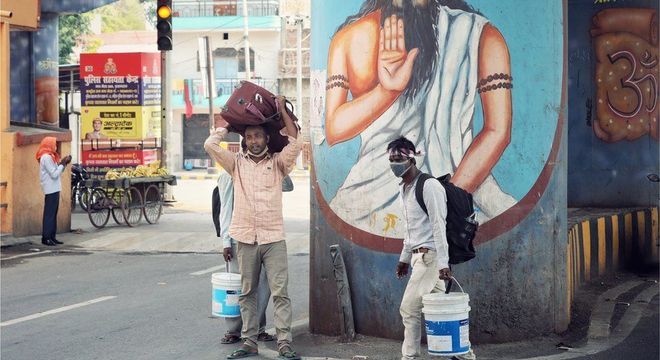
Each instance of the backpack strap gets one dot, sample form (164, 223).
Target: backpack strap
(419, 190)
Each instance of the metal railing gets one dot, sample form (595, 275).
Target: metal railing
(197, 8)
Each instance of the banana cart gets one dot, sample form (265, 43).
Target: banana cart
(127, 199)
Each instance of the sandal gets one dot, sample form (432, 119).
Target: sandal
(243, 352)
(286, 353)
(230, 339)
(264, 336)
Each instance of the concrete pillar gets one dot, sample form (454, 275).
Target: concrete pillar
(517, 282)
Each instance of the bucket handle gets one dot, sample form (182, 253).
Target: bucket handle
(453, 279)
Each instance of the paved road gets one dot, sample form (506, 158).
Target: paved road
(158, 310)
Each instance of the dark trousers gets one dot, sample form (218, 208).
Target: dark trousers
(51, 205)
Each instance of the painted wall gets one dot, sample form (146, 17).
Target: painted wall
(517, 282)
(613, 111)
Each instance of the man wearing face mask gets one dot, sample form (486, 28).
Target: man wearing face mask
(424, 244)
(258, 226)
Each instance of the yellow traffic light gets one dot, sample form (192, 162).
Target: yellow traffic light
(164, 12)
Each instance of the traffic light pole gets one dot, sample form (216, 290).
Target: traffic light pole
(165, 117)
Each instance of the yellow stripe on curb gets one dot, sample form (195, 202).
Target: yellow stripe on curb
(641, 232)
(578, 268)
(615, 241)
(586, 245)
(601, 246)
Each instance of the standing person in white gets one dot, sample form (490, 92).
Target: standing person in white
(424, 245)
(50, 173)
(226, 206)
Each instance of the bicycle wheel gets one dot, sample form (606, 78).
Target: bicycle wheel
(117, 213)
(97, 209)
(74, 196)
(132, 205)
(83, 196)
(153, 204)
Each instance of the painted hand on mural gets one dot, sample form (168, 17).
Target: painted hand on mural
(395, 63)
(626, 48)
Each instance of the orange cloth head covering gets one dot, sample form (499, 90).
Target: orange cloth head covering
(48, 146)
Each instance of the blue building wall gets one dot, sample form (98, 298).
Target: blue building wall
(602, 171)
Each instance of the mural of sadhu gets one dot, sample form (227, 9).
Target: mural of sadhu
(426, 92)
(439, 73)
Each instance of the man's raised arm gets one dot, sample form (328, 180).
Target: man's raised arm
(224, 157)
(287, 157)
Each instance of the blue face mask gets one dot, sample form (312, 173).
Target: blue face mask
(400, 168)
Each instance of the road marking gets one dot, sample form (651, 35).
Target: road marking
(202, 272)
(55, 311)
(26, 255)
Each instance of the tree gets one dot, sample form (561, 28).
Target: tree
(71, 27)
(121, 16)
(150, 11)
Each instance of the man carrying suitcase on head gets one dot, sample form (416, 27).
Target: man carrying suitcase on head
(258, 225)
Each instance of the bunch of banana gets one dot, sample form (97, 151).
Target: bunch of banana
(142, 170)
(155, 165)
(153, 169)
(112, 175)
(126, 173)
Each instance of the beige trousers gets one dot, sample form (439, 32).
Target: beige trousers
(273, 257)
(424, 279)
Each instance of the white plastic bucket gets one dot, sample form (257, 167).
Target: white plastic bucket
(224, 298)
(447, 323)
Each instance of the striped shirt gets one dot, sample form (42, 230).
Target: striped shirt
(257, 216)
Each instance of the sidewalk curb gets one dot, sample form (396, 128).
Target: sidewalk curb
(615, 336)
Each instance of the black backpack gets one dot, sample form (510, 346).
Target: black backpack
(461, 225)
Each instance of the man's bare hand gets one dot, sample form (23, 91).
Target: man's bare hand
(281, 102)
(401, 270)
(66, 160)
(445, 274)
(226, 253)
(395, 63)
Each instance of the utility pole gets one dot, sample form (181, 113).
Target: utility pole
(206, 66)
(299, 101)
(210, 80)
(165, 117)
(246, 41)
(299, 98)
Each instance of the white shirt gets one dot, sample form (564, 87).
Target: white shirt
(49, 174)
(422, 230)
(226, 192)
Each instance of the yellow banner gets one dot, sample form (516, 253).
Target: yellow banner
(120, 122)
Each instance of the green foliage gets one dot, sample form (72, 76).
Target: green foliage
(150, 11)
(71, 27)
(122, 15)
